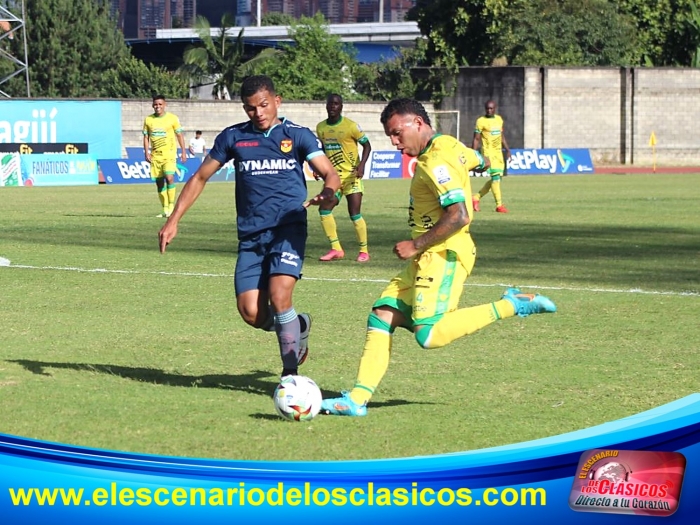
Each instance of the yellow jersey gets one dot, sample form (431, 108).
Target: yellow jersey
(161, 132)
(491, 131)
(441, 178)
(340, 142)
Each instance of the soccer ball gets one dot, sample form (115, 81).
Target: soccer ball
(297, 398)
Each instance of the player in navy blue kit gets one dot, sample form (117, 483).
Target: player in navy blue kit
(268, 153)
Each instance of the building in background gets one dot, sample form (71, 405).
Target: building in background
(335, 11)
(396, 10)
(142, 18)
(139, 19)
(367, 11)
(214, 10)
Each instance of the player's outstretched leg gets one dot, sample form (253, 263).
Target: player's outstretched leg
(526, 304)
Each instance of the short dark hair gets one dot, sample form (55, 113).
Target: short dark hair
(334, 95)
(404, 106)
(252, 84)
(198, 132)
(158, 97)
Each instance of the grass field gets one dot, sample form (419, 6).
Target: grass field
(106, 343)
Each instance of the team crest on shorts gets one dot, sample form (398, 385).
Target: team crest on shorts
(286, 145)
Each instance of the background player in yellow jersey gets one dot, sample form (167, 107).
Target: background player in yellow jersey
(340, 137)
(488, 134)
(162, 133)
(423, 298)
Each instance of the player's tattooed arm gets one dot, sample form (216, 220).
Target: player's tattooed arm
(453, 219)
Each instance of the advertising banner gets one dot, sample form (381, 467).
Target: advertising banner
(59, 170)
(549, 161)
(135, 171)
(386, 165)
(39, 147)
(630, 468)
(10, 170)
(95, 122)
(391, 164)
(132, 171)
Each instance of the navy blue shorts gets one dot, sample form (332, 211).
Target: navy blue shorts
(275, 251)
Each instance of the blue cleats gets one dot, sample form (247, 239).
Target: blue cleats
(527, 303)
(343, 406)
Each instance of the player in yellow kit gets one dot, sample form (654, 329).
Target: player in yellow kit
(162, 133)
(340, 137)
(423, 298)
(488, 134)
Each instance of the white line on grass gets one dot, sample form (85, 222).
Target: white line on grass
(337, 280)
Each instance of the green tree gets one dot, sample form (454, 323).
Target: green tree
(220, 59)
(76, 50)
(132, 78)
(568, 33)
(71, 43)
(389, 79)
(277, 19)
(315, 64)
(460, 32)
(695, 24)
(589, 32)
(665, 30)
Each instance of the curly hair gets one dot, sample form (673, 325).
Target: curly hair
(404, 106)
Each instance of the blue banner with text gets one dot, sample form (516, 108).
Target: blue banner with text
(635, 466)
(59, 170)
(95, 122)
(549, 161)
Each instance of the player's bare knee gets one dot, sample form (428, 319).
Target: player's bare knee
(251, 315)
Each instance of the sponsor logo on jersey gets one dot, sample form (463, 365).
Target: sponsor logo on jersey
(442, 174)
(259, 167)
(247, 144)
(286, 145)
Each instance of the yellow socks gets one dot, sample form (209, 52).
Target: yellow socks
(163, 197)
(496, 189)
(329, 228)
(464, 321)
(171, 189)
(485, 189)
(375, 359)
(361, 231)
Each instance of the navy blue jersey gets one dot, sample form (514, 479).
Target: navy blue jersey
(270, 183)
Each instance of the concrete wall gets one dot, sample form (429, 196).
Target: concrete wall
(505, 86)
(667, 102)
(211, 116)
(611, 111)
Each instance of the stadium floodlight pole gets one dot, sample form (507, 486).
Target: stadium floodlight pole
(381, 11)
(10, 25)
(259, 13)
(26, 59)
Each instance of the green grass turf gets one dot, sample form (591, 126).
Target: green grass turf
(106, 343)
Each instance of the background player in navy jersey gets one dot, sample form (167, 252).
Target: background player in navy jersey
(268, 153)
